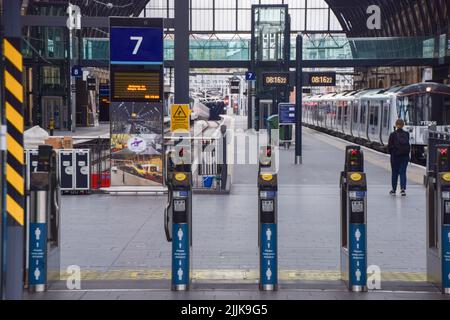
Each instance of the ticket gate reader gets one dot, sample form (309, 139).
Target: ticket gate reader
(353, 186)
(438, 220)
(178, 227)
(43, 227)
(267, 224)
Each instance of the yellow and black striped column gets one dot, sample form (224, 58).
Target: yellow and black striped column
(15, 198)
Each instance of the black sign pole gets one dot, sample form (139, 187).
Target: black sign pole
(298, 100)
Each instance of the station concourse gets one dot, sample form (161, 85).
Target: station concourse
(130, 254)
(224, 150)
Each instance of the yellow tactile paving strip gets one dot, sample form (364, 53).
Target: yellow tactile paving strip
(231, 275)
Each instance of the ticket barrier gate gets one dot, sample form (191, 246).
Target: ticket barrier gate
(43, 222)
(178, 223)
(438, 220)
(267, 221)
(353, 186)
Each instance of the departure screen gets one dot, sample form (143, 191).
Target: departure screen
(137, 86)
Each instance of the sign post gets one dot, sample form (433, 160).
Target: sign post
(137, 101)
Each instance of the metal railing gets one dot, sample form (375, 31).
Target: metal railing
(208, 159)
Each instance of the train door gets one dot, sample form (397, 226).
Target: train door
(363, 119)
(355, 119)
(339, 116)
(385, 123)
(348, 118)
(52, 108)
(333, 115)
(374, 121)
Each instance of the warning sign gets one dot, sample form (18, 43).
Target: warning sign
(180, 118)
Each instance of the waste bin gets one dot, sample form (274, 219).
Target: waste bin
(208, 182)
(285, 133)
(272, 124)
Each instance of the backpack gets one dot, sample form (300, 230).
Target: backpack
(402, 146)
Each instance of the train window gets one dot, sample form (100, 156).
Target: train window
(375, 115)
(446, 111)
(386, 115)
(355, 112)
(404, 110)
(363, 113)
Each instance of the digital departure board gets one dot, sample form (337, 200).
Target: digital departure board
(137, 86)
(276, 79)
(320, 79)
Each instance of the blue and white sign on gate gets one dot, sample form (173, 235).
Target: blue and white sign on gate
(180, 251)
(269, 268)
(446, 256)
(38, 254)
(286, 112)
(357, 253)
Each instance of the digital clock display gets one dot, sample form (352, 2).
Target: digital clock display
(320, 79)
(275, 79)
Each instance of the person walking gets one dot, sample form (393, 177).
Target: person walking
(399, 148)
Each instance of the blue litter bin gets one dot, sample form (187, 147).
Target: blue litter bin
(208, 182)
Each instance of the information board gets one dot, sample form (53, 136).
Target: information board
(286, 112)
(137, 86)
(137, 101)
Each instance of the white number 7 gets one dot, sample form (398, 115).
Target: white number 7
(138, 44)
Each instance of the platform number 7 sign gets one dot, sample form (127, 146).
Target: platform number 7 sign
(138, 44)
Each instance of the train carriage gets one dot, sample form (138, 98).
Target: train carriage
(368, 116)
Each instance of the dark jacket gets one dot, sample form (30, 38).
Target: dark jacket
(392, 146)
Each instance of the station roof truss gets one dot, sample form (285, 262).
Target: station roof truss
(400, 18)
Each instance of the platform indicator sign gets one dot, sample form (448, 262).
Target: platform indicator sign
(137, 45)
(357, 253)
(137, 101)
(38, 254)
(180, 251)
(180, 118)
(446, 256)
(269, 268)
(286, 112)
(250, 76)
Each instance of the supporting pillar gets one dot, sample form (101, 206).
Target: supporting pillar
(181, 52)
(13, 69)
(298, 101)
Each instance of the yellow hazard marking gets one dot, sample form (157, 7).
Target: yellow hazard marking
(15, 149)
(267, 177)
(180, 177)
(14, 117)
(231, 275)
(15, 179)
(180, 121)
(13, 55)
(446, 177)
(356, 177)
(14, 86)
(15, 210)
